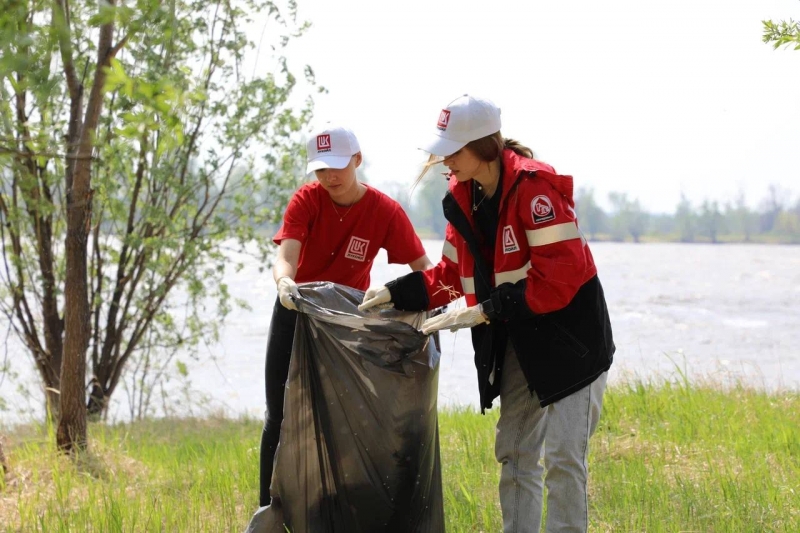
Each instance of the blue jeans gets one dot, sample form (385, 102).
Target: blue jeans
(560, 432)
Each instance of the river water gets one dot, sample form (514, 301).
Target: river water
(725, 313)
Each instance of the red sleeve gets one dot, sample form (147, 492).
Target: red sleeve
(560, 261)
(297, 217)
(402, 244)
(443, 282)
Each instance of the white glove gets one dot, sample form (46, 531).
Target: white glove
(455, 319)
(376, 296)
(287, 292)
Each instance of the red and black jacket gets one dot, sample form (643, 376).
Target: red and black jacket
(543, 295)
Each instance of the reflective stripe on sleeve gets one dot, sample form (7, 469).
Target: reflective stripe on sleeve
(449, 251)
(583, 237)
(468, 284)
(551, 234)
(511, 276)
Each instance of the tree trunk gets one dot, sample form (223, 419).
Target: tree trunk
(32, 179)
(71, 433)
(98, 400)
(51, 379)
(52, 397)
(3, 462)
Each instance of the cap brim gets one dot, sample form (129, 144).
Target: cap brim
(440, 146)
(337, 162)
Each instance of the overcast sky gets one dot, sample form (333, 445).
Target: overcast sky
(652, 98)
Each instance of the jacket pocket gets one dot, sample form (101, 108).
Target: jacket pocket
(564, 342)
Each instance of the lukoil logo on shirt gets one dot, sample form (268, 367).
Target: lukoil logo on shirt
(324, 143)
(444, 119)
(509, 240)
(357, 249)
(542, 209)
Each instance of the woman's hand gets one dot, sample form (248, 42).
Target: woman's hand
(455, 319)
(376, 296)
(288, 292)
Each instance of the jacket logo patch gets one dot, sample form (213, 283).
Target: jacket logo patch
(444, 119)
(542, 209)
(357, 249)
(509, 241)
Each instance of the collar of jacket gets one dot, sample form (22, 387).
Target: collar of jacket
(463, 192)
(514, 168)
(562, 184)
(455, 213)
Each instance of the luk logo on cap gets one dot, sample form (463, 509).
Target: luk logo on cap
(542, 209)
(324, 143)
(444, 119)
(509, 240)
(357, 249)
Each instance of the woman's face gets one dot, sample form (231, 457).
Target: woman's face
(341, 183)
(464, 164)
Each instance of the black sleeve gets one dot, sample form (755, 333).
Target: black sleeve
(409, 292)
(507, 302)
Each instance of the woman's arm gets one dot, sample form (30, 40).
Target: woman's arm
(421, 263)
(285, 270)
(288, 257)
(433, 287)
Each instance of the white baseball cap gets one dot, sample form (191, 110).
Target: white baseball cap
(330, 147)
(465, 119)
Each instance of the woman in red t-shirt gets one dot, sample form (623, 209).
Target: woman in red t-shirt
(332, 230)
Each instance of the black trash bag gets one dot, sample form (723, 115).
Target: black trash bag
(359, 446)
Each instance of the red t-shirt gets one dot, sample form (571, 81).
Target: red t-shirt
(342, 251)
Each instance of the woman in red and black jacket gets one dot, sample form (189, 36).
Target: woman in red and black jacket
(539, 321)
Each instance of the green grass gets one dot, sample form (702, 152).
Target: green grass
(675, 458)
(665, 457)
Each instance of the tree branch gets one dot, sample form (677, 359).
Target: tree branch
(27, 153)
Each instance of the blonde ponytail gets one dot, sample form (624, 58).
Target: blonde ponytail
(432, 161)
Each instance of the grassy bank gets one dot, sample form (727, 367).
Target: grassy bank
(665, 458)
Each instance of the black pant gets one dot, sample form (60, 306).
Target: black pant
(276, 371)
